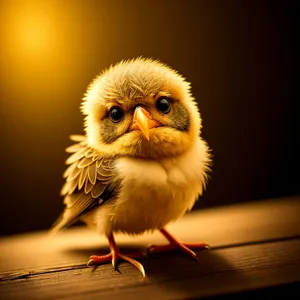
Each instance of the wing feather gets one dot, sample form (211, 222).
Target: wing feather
(74, 173)
(82, 177)
(92, 173)
(69, 170)
(90, 153)
(76, 156)
(90, 181)
(77, 138)
(85, 162)
(98, 189)
(98, 163)
(74, 148)
(87, 186)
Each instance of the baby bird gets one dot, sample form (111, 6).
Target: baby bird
(142, 163)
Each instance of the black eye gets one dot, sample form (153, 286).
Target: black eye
(116, 114)
(163, 105)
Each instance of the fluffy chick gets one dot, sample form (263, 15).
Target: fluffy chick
(142, 163)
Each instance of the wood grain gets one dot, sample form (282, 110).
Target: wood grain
(254, 245)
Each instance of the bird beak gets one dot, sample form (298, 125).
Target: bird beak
(143, 121)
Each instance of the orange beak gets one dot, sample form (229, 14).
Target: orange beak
(143, 121)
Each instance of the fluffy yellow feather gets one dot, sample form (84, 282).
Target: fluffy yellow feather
(142, 163)
(134, 82)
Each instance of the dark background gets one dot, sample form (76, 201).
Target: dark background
(239, 55)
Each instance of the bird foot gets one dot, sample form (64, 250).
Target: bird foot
(114, 257)
(184, 247)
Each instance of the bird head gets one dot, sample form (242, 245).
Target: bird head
(140, 108)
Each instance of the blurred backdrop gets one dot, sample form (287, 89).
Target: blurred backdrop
(239, 55)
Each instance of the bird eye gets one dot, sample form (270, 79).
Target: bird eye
(163, 105)
(116, 114)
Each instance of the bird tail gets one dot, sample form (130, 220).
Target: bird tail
(58, 225)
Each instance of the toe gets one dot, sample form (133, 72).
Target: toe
(90, 263)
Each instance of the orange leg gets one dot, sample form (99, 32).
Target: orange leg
(177, 245)
(115, 255)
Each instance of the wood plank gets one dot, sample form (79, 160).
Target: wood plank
(220, 227)
(219, 271)
(254, 245)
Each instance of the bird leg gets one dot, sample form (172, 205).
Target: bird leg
(177, 245)
(115, 255)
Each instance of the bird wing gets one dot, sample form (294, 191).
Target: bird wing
(89, 181)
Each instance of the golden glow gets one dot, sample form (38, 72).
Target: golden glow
(41, 43)
(29, 38)
(29, 30)
(33, 31)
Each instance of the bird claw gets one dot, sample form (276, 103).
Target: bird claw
(90, 263)
(206, 247)
(113, 257)
(134, 262)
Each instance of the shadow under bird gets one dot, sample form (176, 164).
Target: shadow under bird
(142, 163)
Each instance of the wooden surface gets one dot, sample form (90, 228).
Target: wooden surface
(253, 246)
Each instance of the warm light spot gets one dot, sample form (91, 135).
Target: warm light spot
(28, 29)
(34, 32)
(44, 45)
